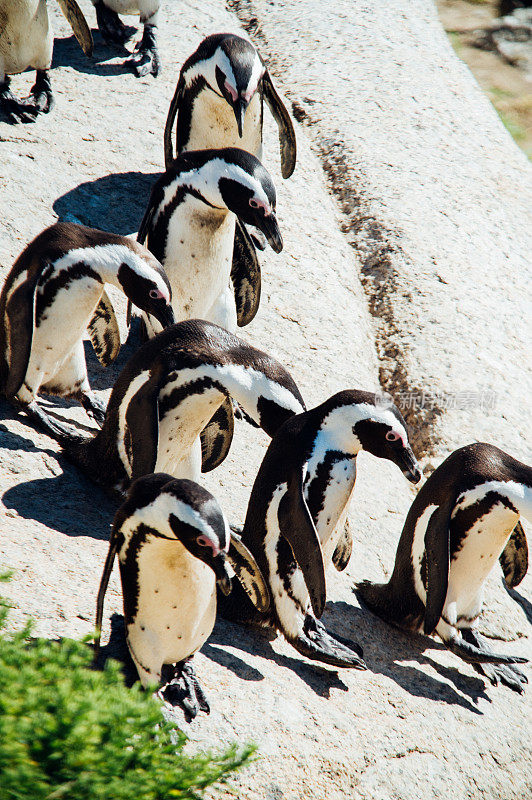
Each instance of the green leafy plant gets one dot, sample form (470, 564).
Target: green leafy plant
(68, 732)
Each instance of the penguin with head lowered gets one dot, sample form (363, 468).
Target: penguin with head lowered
(174, 545)
(145, 59)
(219, 102)
(27, 41)
(464, 518)
(295, 521)
(52, 295)
(189, 226)
(164, 397)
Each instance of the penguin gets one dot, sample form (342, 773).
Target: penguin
(295, 521)
(26, 40)
(145, 59)
(174, 545)
(166, 394)
(219, 102)
(465, 516)
(53, 294)
(189, 226)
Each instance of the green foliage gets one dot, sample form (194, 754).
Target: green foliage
(71, 733)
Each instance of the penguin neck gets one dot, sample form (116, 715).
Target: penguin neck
(106, 260)
(336, 433)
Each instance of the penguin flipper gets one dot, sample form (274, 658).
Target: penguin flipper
(297, 527)
(437, 556)
(172, 113)
(343, 549)
(145, 223)
(78, 23)
(216, 436)
(141, 435)
(248, 573)
(114, 544)
(316, 643)
(245, 276)
(287, 136)
(514, 558)
(19, 321)
(104, 332)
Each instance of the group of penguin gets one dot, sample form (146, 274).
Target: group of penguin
(171, 412)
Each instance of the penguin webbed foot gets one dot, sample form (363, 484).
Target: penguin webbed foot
(473, 648)
(110, 25)
(184, 690)
(317, 644)
(507, 674)
(95, 408)
(41, 93)
(145, 59)
(17, 110)
(46, 423)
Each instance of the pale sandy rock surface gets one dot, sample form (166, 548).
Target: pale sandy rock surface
(419, 723)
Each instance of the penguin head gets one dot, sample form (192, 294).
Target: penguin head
(247, 190)
(362, 421)
(233, 69)
(145, 283)
(182, 510)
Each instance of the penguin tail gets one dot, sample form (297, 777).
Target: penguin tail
(403, 609)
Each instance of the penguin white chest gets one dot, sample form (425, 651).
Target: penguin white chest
(214, 124)
(59, 326)
(477, 553)
(176, 604)
(328, 489)
(179, 451)
(198, 257)
(26, 38)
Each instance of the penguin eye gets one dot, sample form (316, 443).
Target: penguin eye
(392, 436)
(155, 294)
(254, 203)
(203, 541)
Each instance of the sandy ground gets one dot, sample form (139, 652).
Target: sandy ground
(419, 723)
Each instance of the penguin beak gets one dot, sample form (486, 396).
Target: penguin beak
(240, 108)
(410, 467)
(165, 316)
(221, 570)
(270, 228)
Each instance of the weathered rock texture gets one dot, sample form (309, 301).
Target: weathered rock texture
(414, 152)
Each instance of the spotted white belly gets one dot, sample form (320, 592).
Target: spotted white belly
(215, 125)
(179, 448)
(60, 329)
(176, 605)
(26, 37)
(198, 258)
(331, 518)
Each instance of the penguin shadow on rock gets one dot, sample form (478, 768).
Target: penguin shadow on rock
(385, 647)
(114, 202)
(256, 642)
(117, 649)
(521, 600)
(66, 55)
(78, 509)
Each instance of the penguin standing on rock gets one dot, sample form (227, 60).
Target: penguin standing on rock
(165, 396)
(145, 59)
(174, 546)
(219, 102)
(26, 40)
(189, 226)
(295, 522)
(52, 295)
(464, 518)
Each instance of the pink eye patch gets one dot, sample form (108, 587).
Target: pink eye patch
(156, 294)
(393, 436)
(254, 203)
(230, 90)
